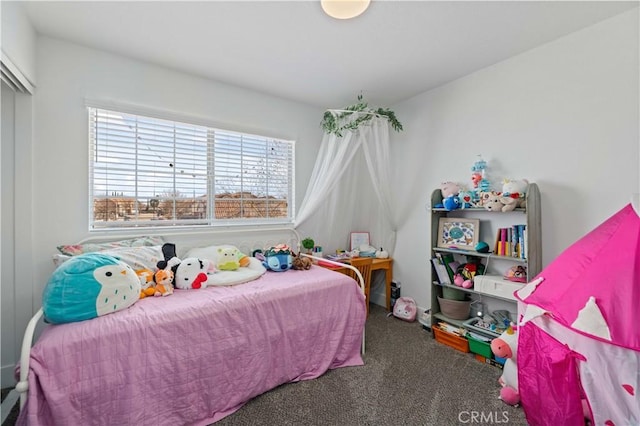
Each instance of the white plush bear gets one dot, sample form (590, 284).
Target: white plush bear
(516, 189)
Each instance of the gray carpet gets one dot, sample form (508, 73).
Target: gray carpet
(408, 379)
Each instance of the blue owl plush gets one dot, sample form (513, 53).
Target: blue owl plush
(88, 286)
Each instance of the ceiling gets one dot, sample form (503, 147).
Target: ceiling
(292, 50)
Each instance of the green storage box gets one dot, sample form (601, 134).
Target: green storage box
(479, 347)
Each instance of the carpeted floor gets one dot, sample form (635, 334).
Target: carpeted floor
(408, 379)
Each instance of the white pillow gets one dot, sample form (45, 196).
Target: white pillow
(146, 257)
(76, 249)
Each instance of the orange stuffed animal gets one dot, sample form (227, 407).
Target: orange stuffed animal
(164, 282)
(148, 287)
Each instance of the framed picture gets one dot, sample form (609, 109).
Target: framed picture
(460, 233)
(359, 238)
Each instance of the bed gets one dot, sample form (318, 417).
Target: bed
(196, 356)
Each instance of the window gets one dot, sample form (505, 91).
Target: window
(154, 172)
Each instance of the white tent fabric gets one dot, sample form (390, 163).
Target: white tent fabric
(350, 189)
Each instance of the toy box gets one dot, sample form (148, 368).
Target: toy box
(496, 285)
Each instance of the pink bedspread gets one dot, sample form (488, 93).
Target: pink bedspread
(196, 356)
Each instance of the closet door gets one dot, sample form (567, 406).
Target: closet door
(8, 347)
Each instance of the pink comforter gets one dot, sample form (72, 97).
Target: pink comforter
(196, 356)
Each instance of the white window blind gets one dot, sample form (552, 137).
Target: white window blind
(153, 172)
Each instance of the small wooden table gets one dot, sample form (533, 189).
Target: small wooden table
(385, 265)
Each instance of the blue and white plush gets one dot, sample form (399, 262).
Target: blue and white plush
(88, 286)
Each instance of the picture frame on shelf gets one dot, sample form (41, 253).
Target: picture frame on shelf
(357, 239)
(458, 233)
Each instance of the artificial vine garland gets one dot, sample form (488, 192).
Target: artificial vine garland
(330, 121)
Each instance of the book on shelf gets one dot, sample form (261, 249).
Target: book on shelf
(450, 264)
(511, 242)
(441, 270)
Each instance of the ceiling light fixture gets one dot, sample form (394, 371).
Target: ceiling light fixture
(344, 9)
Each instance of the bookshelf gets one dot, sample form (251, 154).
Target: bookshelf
(494, 264)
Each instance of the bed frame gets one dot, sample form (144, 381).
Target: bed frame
(192, 238)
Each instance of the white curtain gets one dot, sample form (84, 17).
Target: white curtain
(349, 189)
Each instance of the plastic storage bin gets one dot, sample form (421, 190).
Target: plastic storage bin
(452, 340)
(479, 347)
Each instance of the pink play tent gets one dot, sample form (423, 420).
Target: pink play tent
(579, 334)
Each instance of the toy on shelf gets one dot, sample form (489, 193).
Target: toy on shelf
(449, 188)
(496, 202)
(450, 199)
(465, 199)
(505, 346)
(516, 190)
(466, 272)
(479, 175)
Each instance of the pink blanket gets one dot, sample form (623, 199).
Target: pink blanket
(196, 356)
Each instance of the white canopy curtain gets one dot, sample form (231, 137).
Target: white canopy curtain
(349, 189)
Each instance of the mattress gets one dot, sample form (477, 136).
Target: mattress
(198, 355)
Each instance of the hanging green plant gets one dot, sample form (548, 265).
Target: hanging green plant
(331, 122)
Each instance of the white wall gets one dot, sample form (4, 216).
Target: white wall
(564, 115)
(18, 38)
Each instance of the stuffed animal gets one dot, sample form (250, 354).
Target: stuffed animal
(278, 258)
(478, 176)
(449, 188)
(147, 285)
(87, 286)
(189, 273)
(382, 254)
(505, 346)
(516, 189)
(466, 273)
(300, 262)
(164, 282)
(193, 273)
(466, 199)
(230, 259)
(451, 202)
(495, 202)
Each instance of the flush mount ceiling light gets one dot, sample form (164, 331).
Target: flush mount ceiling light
(344, 9)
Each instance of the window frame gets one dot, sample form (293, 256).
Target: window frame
(209, 222)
